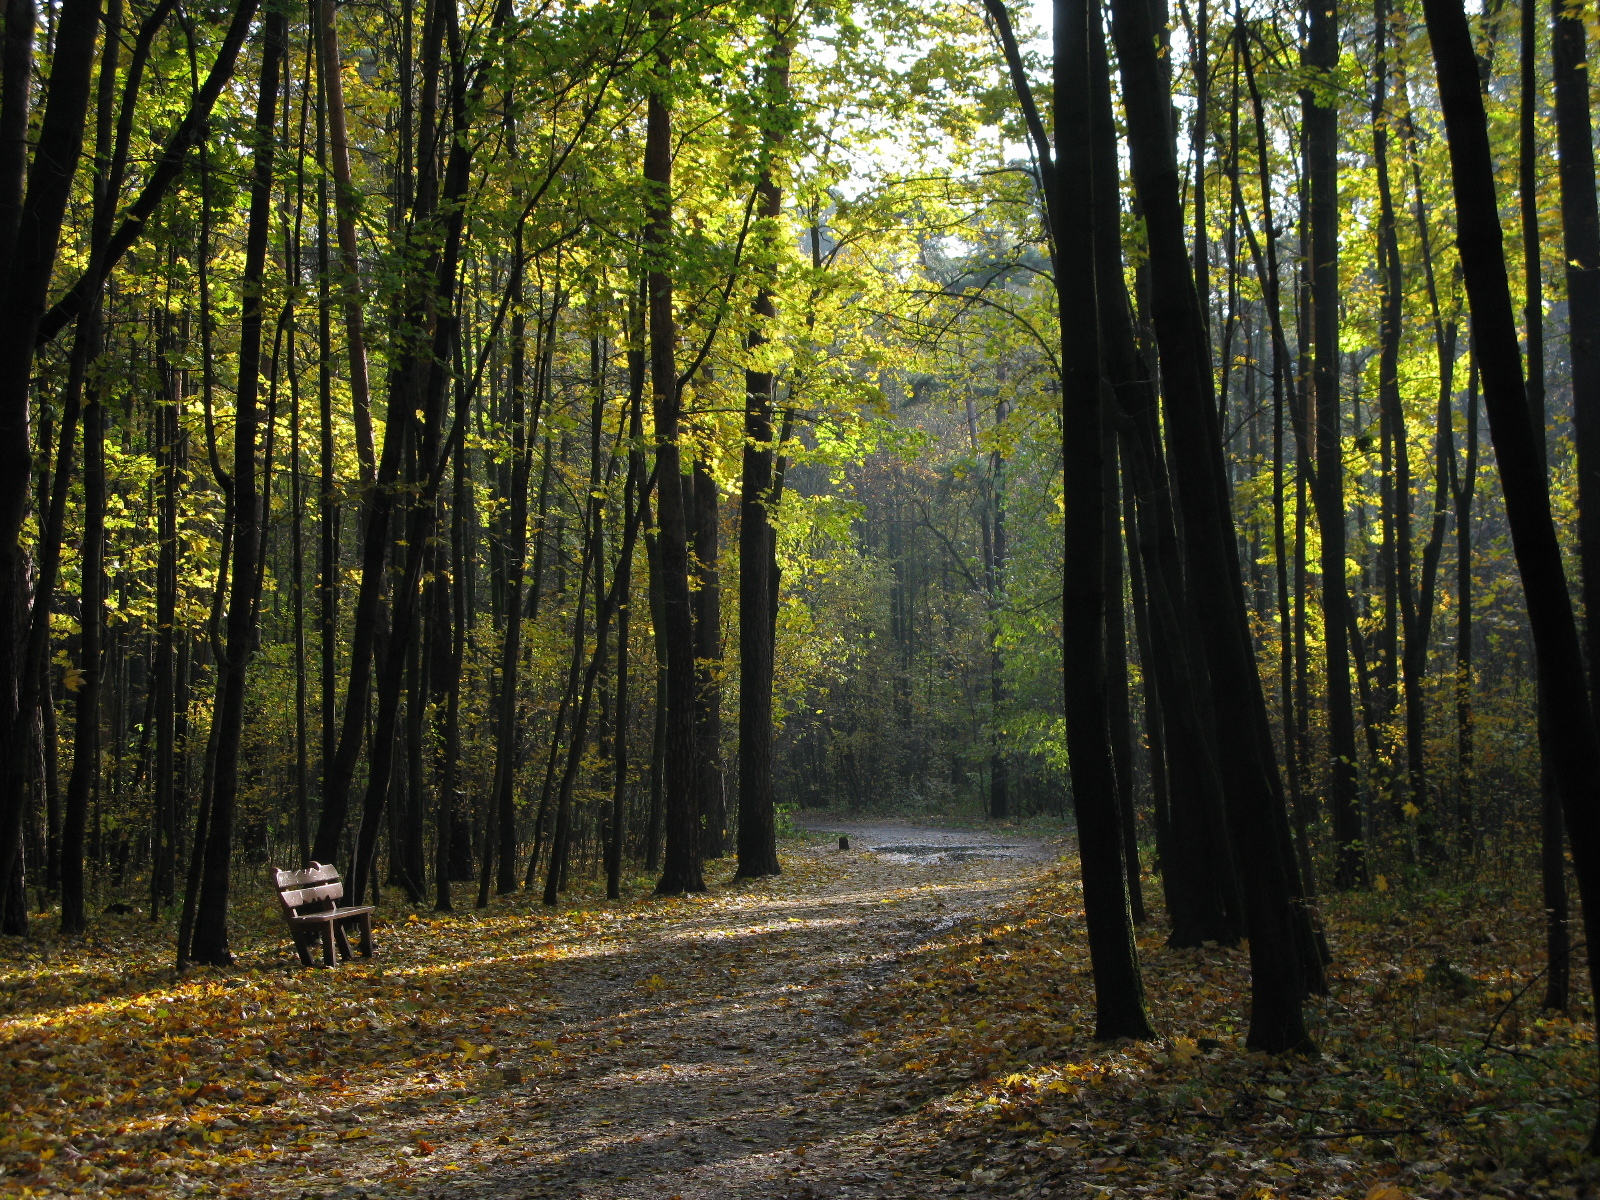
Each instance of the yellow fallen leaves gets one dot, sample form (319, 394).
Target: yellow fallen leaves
(1437, 1070)
(118, 1074)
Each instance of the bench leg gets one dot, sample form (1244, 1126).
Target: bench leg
(366, 935)
(340, 940)
(327, 943)
(302, 947)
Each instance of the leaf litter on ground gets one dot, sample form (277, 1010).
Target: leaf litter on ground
(1439, 1077)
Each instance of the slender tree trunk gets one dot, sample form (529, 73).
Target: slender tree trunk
(346, 201)
(1280, 970)
(29, 256)
(706, 533)
(1463, 491)
(85, 776)
(1413, 656)
(1576, 761)
(633, 498)
(1120, 714)
(658, 735)
(1552, 855)
(1322, 165)
(681, 871)
(758, 847)
(211, 924)
(170, 474)
(1119, 991)
(515, 552)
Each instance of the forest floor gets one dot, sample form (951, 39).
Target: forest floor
(906, 1018)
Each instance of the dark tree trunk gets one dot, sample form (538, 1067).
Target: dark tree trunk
(758, 846)
(1198, 870)
(706, 528)
(1580, 224)
(1119, 992)
(514, 550)
(211, 917)
(633, 498)
(681, 870)
(345, 203)
(1575, 763)
(170, 475)
(658, 725)
(1413, 654)
(1580, 240)
(1280, 972)
(1320, 121)
(85, 777)
(1120, 713)
(29, 257)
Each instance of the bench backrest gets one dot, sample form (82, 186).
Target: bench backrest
(315, 889)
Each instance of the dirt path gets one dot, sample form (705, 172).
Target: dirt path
(700, 1057)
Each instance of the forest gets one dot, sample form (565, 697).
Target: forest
(560, 466)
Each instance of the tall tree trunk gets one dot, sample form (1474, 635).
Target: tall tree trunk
(211, 924)
(1265, 260)
(170, 476)
(1281, 970)
(1119, 991)
(1199, 872)
(1463, 488)
(1320, 121)
(1119, 711)
(1580, 226)
(681, 870)
(706, 534)
(346, 201)
(633, 498)
(758, 846)
(1576, 759)
(85, 777)
(1413, 655)
(29, 256)
(515, 552)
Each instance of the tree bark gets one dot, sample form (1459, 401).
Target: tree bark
(1119, 991)
(758, 846)
(681, 870)
(30, 257)
(1320, 120)
(211, 917)
(706, 541)
(1280, 971)
(1575, 764)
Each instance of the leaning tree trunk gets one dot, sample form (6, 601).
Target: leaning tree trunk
(1280, 970)
(28, 256)
(1575, 763)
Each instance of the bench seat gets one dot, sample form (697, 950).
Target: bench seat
(310, 900)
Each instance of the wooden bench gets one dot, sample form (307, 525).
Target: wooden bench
(310, 900)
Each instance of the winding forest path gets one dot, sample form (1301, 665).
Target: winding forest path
(702, 1056)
